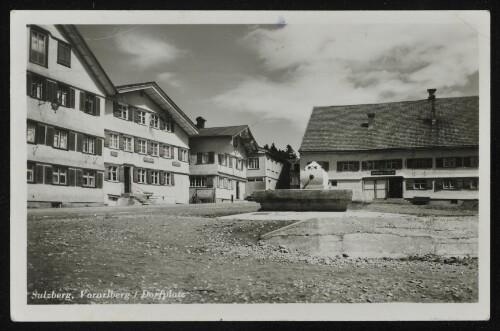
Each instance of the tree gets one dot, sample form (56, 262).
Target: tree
(266, 147)
(290, 152)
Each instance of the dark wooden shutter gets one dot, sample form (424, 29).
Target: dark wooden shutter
(48, 174)
(131, 114)
(467, 162)
(162, 150)
(409, 163)
(136, 145)
(116, 112)
(135, 176)
(428, 183)
(40, 134)
(98, 149)
(99, 179)
(106, 172)
(150, 148)
(172, 179)
(50, 136)
(339, 166)
(136, 116)
(162, 178)
(72, 98)
(79, 177)
(439, 162)
(121, 143)
(39, 174)
(71, 141)
(438, 185)
(71, 177)
(121, 174)
(179, 154)
(326, 166)
(210, 181)
(148, 176)
(399, 164)
(28, 84)
(429, 163)
(199, 158)
(162, 124)
(51, 94)
(211, 157)
(409, 184)
(356, 165)
(172, 125)
(79, 142)
(107, 139)
(82, 100)
(459, 162)
(97, 106)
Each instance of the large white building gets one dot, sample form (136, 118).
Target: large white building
(424, 149)
(263, 171)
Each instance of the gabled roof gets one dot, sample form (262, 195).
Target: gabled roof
(152, 90)
(397, 125)
(70, 32)
(222, 131)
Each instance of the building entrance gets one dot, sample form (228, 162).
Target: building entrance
(126, 179)
(395, 188)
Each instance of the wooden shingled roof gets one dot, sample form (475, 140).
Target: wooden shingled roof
(396, 125)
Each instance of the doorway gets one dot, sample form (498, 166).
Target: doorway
(237, 190)
(126, 179)
(395, 189)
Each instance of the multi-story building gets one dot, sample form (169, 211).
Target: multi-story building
(423, 150)
(146, 147)
(294, 170)
(218, 165)
(263, 171)
(66, 91)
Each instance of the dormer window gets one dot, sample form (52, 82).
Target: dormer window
(38, 47)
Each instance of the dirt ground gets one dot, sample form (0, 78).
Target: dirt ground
(132, 254)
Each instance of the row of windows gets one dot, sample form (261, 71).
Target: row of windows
(39, 48)
(443, 184)
(140, 116)
(393, 164)
(62, 175)
(231, 161)
(62, 139)
(143, 146)
(142, 176)
(225, 183)
(208, 181)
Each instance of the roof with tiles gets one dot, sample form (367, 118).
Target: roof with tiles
(227, 131)
(396, 125)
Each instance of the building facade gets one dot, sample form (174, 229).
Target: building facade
(66, 90)
(146, 147)
(415, 150)
(263, 171)
(218, 164)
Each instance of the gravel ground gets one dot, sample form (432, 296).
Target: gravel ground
(86, 252)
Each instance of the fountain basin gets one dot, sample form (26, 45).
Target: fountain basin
(304, 200)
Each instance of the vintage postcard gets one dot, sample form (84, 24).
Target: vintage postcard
(250, 165)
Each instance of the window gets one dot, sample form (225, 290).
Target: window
(63, 54)
(333, 182)
(38, 49)
(127, 144)
(390, 164)
(58, 176)
(30, 172)
(472, 184)
(141, 176)
(168, 179)
(348, 166)
(253, 163)
(449, 162)
(168, 152)
(198, 181)
(449, 184)
(226, 183)
(168, 125)
(419, 163)
(239, 164)
(123, 112)
(230, 158)
(88, 178)
(89, 103)
(142, 146)
(155, 177)
(30, 132)
(37, 89)
(113, 141)
(89, 145)
(154, 121)
(183, 155)
(419, 184)
(222, 159)
(63, 95)
(156, 149)
(471, 161)
(113, 174)
(60, 139)
(141, 117)
(371, 165)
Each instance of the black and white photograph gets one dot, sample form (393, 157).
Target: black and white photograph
(250, 166)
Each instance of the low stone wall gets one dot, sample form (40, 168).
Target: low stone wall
(304, 200)
(375, 235)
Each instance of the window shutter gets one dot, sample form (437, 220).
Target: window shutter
(172, 179)
(162, 178)
(467, 162)
(150, 148)
(438, 185)
(409, 163)
(39, 174)
(172, 125)
(50, 136)
(72, 98)
(326, 166)
(98, 146)
(106, 172)
(71, 141)
(107, 138)
(439, 163)
(399, 164)
(459, 162)
(211, 157)
(131, 114)
(82, 100)
(199, 158)
(210, 181)
(162, 150)
(28, 84)
(339, 166)
(121, 142)
(71, 177)
(429, 163)
(79, 142)
(179, 154)
(409, 184)
(51, 91)
(429, 184)
(48, 174)
(40, 134)
(99, 179)
(356, 165)
(97, 105)
(116, 112)
(148, 176)
(136, 115)
(136, 176)
(121, 174)
(136, 145)
(79, 177)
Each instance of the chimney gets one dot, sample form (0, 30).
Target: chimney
(432, 99)
(371, 120)
(200, 122)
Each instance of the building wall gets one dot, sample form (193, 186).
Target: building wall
(362, 181)
(269, 171)
(69, 119)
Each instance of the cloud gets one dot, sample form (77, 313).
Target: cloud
(146, 51)
(169, 78)
(306, 66)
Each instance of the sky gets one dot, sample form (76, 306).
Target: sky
(271, 76)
